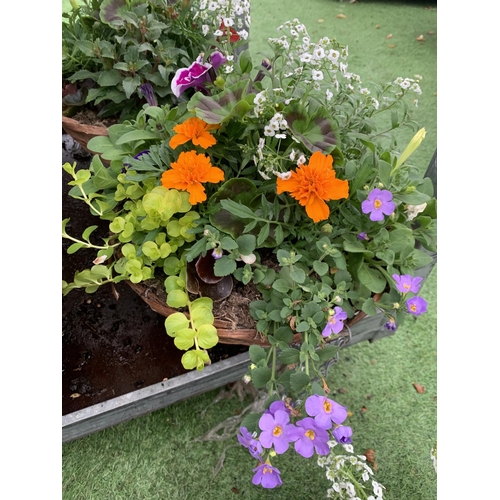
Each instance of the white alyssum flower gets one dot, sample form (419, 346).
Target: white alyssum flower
(317, 74)
(282, 175)
(329, 95)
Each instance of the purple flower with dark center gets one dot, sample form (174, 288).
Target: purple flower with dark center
(197, 74)
(275, 429)
(390, 325)
(342, 434)
(325, 411)
(267, 475)
(275, 406)
(335, 323)
(148, 93)
(309, 437)
(416, 305)
(378, 204)
(407, 283)
(246, 439)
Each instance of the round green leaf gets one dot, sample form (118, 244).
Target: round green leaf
(177, 299)
(207, 336)
(202, 316)
(175, 322)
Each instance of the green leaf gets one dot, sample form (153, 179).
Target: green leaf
(261, 376)
(371, 278)
(246, 244)
(251, 422)
(130, 85)
(369, 307)
(224, 266)
(175, 322)
(281, 286)
(256, 353)
(184, 339)
(207, 336)
(177, 299)
(298, 275)
(289, 356)
(202, 316)
(321, 268)
(299, 380)
(137, 135)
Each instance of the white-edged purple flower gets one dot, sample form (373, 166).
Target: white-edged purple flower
(378, 204)
(309, 437)
(275, 429)
(335, 323)
(246, 439)
(266, 475)
(416, 305)
(197, 74)
(407, 283)
(342, 434)
(325, 411)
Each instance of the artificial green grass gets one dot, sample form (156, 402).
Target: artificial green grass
(156, 457)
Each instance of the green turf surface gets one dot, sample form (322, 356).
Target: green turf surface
(156, 457)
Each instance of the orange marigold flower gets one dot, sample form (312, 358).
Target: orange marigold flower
(189, 172)
(313, 184)
(195, 130)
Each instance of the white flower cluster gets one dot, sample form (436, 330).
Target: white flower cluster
(216, 15)
(350, 475)
(276, 124)
(319, 64)
(408, 83)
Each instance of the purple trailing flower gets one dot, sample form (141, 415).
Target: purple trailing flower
(275, 429)
(416, 305)
(390, 325)
(275, 406)
(267, 475)
(217, 253)
(407, 283)
(197, 74)
(309, 437)
(342, 434)
(325, 411)
(266, 63)
(246, 439)
(148, 93)
(335, 323)
(362, 236)
(378, 204)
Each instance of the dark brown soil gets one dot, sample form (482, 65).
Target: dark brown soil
(112, 342)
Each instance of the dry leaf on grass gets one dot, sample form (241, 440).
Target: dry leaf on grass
(430, 32)
(321, 20)
(419, 388)
(341, 16)
(420, 38)
(391, 45)
(389, 36)
(364, 409)
(377, 26)
(370, 458)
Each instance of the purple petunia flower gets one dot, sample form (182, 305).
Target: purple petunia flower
(246, 439)
(325, 411)
(390, 325)
(267, 475)
(309, 437)
(378, 204)
(148, 93)
(407, 283)
(197, 74)
(136, 157)
(275, 429)
(416, 305)
(342, 434)
(335, 322)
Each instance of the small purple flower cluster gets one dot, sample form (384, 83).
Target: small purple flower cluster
(309, 435)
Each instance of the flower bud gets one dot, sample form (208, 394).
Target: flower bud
(219, 82)
(327, 229)
(380, 185)
(248, 259)
(395, 305)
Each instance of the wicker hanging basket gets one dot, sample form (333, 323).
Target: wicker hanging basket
(228, 332)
